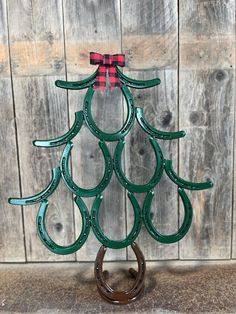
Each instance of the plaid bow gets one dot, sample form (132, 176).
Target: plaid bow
(107, 63)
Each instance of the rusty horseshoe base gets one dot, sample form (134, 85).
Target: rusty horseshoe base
(120, 297)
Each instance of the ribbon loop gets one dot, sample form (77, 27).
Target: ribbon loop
(107, 63)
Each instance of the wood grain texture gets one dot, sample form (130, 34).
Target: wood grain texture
(90, 26)
(150, 37)
(41, 112)
(95, 26)
(4, 51)
(160, 109)
(11, 231)
(150, 21)
(36, 37)
(206, 104)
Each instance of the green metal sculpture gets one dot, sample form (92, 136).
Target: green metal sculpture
(142, 216)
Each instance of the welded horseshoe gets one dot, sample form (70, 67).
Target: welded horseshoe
(46, 239)
(77, 84)
(120, 297)
(72, 186)
(92, 125)
(137, 83)
(56, 176)
(183, 183)
(99, 232)
(74, 130)
(188, 214)
(153, 131)
(138, 188)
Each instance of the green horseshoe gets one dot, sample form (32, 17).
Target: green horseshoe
(92, 125)
(71, 184)
(77, 84)
(188, 214)
(183, 183)
(154, 132)
(56, 176)
(74, 130)
(99, 232)
(49, 243)
(136, 187)
(137, 83)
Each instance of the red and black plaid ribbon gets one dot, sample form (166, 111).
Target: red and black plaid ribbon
(107, 63)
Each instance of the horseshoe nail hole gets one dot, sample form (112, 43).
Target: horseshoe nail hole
(58, 227)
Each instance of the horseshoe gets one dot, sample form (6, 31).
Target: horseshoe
(137, 83)
(92, 125)
(49, 243)
(120, 297)
(77, 84)
(154, 132)
(99, 232)
(138, 188)
(188, 214)
(72, 186)
(74, 130)
(183, 183)
(56, 176)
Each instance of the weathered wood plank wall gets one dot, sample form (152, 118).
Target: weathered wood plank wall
(190, 45)
(146, 25)
(11, 231)
(206, 110)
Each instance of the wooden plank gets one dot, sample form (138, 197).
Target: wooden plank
(87, 30)
(206, 107)
(36, 37)
(41, 112)
(11, 231)
(150, 37)
(90, 26)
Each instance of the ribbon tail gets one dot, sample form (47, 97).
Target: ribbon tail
(114, 78)
(100, 82)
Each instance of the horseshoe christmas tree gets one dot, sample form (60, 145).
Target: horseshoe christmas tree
(109, 64)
